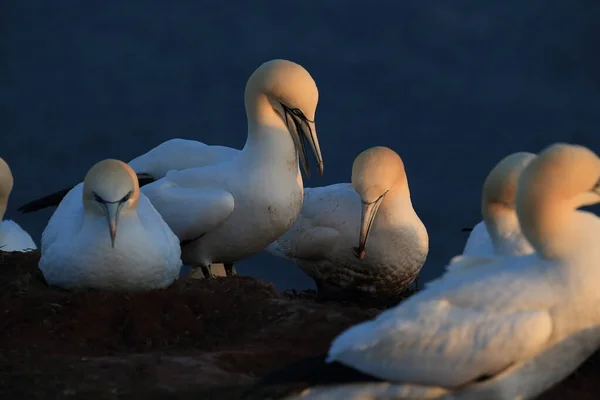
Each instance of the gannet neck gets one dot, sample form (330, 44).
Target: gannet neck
(268, 137)
(6, 185)
(264, 118)
(500, 222)
(550, 190)
(498, 196)
(280, 101)
(397, 198)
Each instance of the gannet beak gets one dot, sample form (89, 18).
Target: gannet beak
(112, 216)
(311, 135)
(369, 210)
(304, 129)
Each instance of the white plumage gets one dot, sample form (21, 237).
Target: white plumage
(322, 238)
(179, 154)
(228, 211)
(76, 244)
(510, 327)
(499, 234)
(12, 236)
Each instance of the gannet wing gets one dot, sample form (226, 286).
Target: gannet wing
(437, 343)
(66, 220)
(180, 154)
(315, 243)
(461, 262)
(189, 212)
(54, 199)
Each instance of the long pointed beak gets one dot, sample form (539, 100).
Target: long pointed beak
(311, 136)
(112, 216)
(307, 130)
(369, 210)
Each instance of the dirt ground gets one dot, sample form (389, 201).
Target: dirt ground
(200, 339)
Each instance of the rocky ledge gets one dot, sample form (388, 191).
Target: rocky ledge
(200, 339)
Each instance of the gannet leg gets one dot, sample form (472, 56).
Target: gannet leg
(199, 272)
(230, 269)
(211, 271)
(217, 270)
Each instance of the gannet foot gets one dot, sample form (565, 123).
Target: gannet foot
(230, 270)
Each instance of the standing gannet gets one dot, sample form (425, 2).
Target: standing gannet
(12, 236)
(508, 330)
(106, 235)
(331, 223)
(173, 154)
(226, 212)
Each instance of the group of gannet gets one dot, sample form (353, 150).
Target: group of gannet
(508, 323)
(224, 204)
(512, 315)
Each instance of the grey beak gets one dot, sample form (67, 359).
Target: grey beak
(112, 216)
(369, 210)
(305, 130)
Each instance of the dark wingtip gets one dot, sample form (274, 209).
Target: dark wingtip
(51, 200)
(144, 179)
(54, 199)
(466, 229)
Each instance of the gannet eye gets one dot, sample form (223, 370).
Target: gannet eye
(297, 112)
(126, 197)
(98, 199)
(596, 186)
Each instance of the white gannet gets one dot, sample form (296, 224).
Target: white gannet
(499, 234)
(106, 235)
(173, 154)
(508, 330)
(225, 212)
(331, 223)
(12, 236)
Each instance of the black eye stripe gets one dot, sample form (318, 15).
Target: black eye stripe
(126, 197)
(102, 201)
(295, 111)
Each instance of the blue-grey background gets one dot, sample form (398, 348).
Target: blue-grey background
(451, 86)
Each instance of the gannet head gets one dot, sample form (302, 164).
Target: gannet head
(375, 172)
(292, 94)
(559, 180)
(109, 188)
(500, 187)
(6, 185)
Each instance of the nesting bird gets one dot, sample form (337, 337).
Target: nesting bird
(362, 238)
(509, 328)
(105, 234)
(12, 236)
(226, 212)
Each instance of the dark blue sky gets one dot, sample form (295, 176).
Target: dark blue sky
(451, 86)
